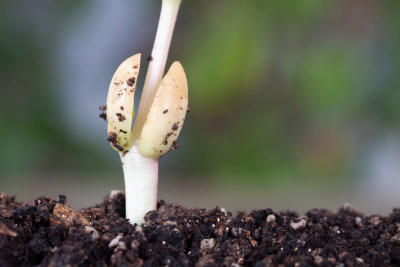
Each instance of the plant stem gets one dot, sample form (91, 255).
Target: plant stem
(141, 181)
(155, 72)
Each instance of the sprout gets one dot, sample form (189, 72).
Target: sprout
(162, 110)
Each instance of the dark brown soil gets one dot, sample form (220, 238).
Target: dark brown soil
(47, 232)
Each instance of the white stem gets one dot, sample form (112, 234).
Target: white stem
(166, 24)
(141, 181)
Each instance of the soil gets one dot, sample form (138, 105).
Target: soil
(46, 232)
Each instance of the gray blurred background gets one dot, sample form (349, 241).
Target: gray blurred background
(294, 104)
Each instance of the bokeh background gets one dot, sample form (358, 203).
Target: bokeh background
(294, 104)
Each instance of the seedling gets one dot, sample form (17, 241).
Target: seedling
(161, 113)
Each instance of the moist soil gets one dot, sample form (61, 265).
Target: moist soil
(46, 232)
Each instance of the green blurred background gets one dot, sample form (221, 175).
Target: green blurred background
(294, 104)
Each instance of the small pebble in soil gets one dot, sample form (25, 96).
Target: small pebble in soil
(298, 224)
(271, 218)
(396, 238)
(92, 232)
(116, 241)
(207, 244)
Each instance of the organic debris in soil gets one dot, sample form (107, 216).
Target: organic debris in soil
(46, 232)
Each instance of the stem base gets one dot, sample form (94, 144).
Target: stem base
(141, 183)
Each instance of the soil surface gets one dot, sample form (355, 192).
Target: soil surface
(46, 232)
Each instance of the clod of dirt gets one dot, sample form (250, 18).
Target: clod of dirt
(5, 231)
(46, 232)
(66, 216)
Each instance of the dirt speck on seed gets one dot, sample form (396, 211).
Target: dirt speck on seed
(103, 115)
(174, 145)
(120, 117)
(112, 137)
(131, 81)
